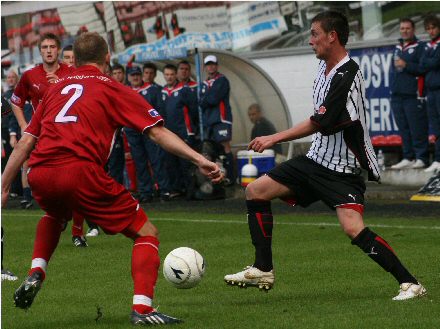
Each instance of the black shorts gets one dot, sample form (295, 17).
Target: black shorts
(219, 132)
(311, 182)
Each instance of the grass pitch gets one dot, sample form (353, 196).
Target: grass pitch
(321, 280)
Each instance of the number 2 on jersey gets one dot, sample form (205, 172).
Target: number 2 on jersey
(61, 116)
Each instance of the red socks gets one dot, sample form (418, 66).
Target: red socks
(46, 240)
(144, 270)
(77, 225)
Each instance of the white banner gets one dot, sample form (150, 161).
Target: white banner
(240, 27)
(252, 22)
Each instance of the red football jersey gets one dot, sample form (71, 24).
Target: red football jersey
(80, 114)
(33, 84)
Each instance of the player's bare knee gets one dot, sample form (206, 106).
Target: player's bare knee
(253, 191)
(351, 221)
(148, 229)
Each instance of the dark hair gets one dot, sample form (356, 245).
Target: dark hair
(407, 20)
(117, 66)
(334, 21)
(150, 65)
(183, 62)
(49, 36)
(255, 106)
(431, 19)
(67, 48)
(170, 67)
(90, 47)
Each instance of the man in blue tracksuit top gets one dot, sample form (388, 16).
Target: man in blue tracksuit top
(144, 151)
(430, 62)
(409, 111)
(217, 114)
(179, 110)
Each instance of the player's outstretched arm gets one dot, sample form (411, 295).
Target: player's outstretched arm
(173, 144)
(301, 130)
(19, 155)
(19, 115)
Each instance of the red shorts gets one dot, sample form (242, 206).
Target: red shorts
(87, 189)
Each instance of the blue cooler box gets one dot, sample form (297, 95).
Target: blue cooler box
(263, 161)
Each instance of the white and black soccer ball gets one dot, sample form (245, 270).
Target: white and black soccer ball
(184, 268)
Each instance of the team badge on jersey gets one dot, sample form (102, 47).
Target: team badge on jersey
(153, 113)
(15, 98)
(176, 93)
(322, 109)
(144, 92)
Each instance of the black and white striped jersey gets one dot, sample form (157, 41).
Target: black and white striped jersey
(342, 143)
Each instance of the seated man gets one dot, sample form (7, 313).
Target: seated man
(262, 126)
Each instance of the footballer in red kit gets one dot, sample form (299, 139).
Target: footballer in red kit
(34, 82)
(75, 125)
(65, 125)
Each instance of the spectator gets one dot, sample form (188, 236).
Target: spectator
(179, 107)
(10, 136)
(146, 154)
(14, 137)
(409, 112)
(118, 73)
(11, 82)
(184, 74)
(151, 92)
(116, 161)
(217, 114)
(430, 63)
(262, 126)
(67, 55)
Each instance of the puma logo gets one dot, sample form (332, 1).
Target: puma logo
(372, 252)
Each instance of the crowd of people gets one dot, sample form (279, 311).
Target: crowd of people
(415, 94)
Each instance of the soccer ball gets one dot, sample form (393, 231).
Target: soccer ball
(184, 268)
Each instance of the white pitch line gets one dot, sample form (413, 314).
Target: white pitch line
(217, 221)
(292, 223)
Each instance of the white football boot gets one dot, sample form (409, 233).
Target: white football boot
(410, 290)
(252, 277)
(92, 232)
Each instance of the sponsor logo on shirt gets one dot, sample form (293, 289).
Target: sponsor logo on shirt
(153, 113)
(322, 109)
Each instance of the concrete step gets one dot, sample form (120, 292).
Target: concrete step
(405, 177)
